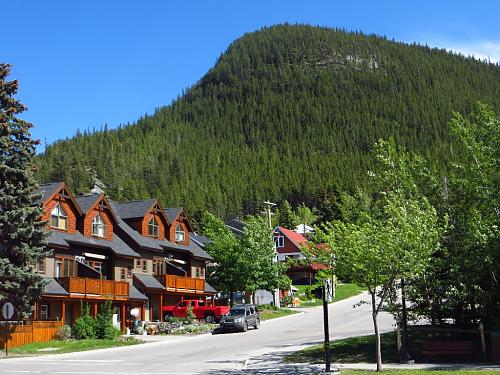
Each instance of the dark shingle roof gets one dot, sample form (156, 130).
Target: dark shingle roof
(45, 191)
(172, 213)
(87, 201)
(116, 245)
(54, 288)
(236, 226)
(147, 281)
(199, 239)
(209, 288)
(133, 293)
(135, 209)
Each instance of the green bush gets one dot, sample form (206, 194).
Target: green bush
(84, 327)
(63, 333)
(190, 317)
(104, 328)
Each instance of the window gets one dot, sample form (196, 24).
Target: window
(279, 241)
(65, 267)
(138, 264)
(58, 218)
(98, 226)
(144, 265)
(198, 272)
(159, 266)
(38, 267)
(44, 312)
(179, 234)
(97, 265)
(123, 274)
(153, 228)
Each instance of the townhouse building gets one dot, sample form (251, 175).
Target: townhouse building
(135, 254)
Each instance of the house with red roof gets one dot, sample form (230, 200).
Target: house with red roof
(289, 245)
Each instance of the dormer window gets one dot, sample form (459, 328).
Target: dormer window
(153, 228)
(279, 241)
(179, 234)
(98, 226)
(59, 218)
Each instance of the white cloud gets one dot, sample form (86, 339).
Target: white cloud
(483, 50)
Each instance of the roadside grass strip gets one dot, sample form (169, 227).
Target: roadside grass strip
(267, 314)
(343, 291)
(352, 350)
(56, 347)
(422, 372)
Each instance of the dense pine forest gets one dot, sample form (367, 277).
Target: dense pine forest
(285, 111)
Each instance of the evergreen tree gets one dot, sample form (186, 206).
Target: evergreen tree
(286, 217)
(22, 234)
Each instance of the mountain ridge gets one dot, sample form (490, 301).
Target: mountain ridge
(284, 111)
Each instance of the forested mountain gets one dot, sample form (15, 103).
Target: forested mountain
(284, 111)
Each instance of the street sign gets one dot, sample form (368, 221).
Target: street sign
(327, 283)
(7, 310)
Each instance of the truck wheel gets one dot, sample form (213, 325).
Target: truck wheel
(210, 318)
(257, 324)
(167, 317)
(245, 327)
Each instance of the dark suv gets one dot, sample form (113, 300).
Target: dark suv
(240, 317)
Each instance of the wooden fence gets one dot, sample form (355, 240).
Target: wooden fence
(37, 331)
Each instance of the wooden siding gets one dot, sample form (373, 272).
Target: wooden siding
(172, 229)
(182, 284)
(38, 331)
(106, 217)
(79, 287)
(161, 225)
(67, 205)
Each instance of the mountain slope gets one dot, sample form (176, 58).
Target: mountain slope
(284, 111)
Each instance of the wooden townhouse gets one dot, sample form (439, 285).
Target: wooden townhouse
(135, 254)
(289, 245)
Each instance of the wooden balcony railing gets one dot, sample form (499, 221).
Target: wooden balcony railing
(95, 288)
(182, 284)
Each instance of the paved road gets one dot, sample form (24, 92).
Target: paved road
(256, 351)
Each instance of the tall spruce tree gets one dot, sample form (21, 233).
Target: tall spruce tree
(22, 234)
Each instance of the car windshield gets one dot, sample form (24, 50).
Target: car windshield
(237, 312)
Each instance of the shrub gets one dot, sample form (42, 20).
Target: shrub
(63, 333)
(84, 327)
(104, 328)
(190, 317)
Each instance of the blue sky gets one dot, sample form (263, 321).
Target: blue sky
(82, 64)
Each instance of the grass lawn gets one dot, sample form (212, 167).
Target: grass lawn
(422, 372)
(268, 313)
(343, 291)
(55, 346)
(352, 350)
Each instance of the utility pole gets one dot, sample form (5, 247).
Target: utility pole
(269, 205)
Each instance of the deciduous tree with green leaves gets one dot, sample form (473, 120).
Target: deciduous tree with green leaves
(386, 236)
(22, 234)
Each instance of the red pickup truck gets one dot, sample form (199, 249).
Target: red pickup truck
(211, 314)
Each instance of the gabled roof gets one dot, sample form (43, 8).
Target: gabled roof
(89, 201)
(48, 191)
(135, 209)
(236, 226)
(172, 213)
(209, 288)
(297, 239)
(195, 250)
(116, 245)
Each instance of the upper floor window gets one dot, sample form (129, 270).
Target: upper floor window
(279, 241)
(98, 226)
(58, 218)
(179, 234)
(153, 228)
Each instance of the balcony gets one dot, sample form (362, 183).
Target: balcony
(84, 287)
(182, 284)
